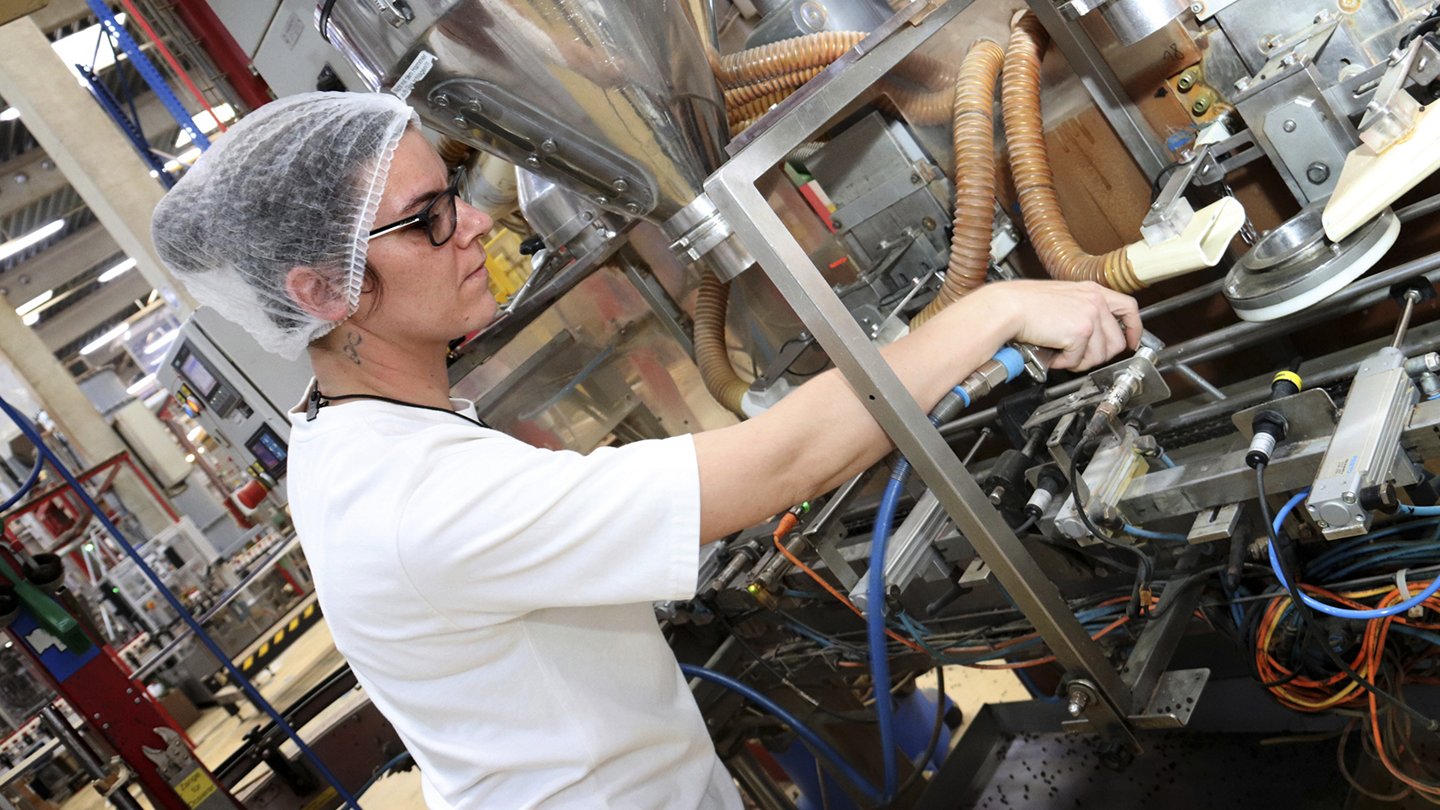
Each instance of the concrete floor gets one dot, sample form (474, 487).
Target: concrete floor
(311, 657)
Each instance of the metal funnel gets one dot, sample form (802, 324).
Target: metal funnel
(613, 99)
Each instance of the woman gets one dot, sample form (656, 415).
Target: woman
(494, 598)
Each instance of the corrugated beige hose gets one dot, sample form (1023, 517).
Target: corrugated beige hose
(974, 139)
(711, 352)
(786, 56)
(1030, 166)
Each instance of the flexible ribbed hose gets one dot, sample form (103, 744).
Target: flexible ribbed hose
(786, 83)
(974, 139)
(1030, 167)
(453, 150)
(712, 354)
(786, 56)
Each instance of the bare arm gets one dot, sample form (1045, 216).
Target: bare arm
(822, 434)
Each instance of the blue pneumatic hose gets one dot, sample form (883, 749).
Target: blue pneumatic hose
(804, 732)
(250, 691)
(1014, 364)
(1331, 610)
(875, 623)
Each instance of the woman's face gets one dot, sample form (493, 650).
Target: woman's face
(426, 295)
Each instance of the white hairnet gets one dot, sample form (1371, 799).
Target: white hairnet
(294, 184)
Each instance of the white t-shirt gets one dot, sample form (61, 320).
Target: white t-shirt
(493, 599)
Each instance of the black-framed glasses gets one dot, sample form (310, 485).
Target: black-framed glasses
(438, 216)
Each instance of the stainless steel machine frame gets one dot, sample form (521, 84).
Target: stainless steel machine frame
(733, 188)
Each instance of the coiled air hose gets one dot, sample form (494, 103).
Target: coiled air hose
(712, 354)
(1030, 166)
(974, 141)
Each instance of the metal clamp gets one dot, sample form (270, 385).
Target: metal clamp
(1392, 111)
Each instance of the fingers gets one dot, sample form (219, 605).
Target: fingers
(1127, 311)
(1086, 323)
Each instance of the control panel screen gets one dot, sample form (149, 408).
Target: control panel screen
(196, 373)
(270, 450)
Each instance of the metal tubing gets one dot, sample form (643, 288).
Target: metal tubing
(1191, 296)
(1414, 211)
(1200, 382)
(762, 232)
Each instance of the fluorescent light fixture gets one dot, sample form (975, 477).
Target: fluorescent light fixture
(186, 158)
(206, 122)
(116, 271)
(34, 303)
(78, 48)
(9, 114)
(31, 239)
(30, 319)
(140, 385)
(162, 341)
(106, 339)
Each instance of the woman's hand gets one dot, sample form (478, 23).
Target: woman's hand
(1083, 321)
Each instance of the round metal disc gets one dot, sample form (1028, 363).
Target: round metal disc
(1295, 266)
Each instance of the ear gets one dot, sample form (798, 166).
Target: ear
(315, 294)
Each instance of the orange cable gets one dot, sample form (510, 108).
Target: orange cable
(783, 529)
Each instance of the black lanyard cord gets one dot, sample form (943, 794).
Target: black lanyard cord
(317, 400)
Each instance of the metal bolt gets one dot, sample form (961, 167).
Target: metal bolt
(621, 185)
(915, 178)
(1187, 80)
(1289, 126)
(459, 120)
(440, 100)
(1200, 106)
(601, 199)
(1241, 84)
(997, 494)
(1079, 699)
(533, 161)
(586, 216)
(633, 208)
(1288, 60)
(1317, 172)
(1348, 497)
(1197, 8)
(548, 146)
(929, 223)
(835, 223)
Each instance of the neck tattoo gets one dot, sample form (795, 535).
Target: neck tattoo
(352, 347)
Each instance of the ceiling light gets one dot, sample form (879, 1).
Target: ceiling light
(30, 319)
(34, 303)
(31, 239)
(9, 114)
(206, 122)
(116, 271)
(82, 46)
(106, 339)
(140, 385)
(162, 341)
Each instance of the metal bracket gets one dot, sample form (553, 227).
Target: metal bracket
(1170, 706)
(1392, 112)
